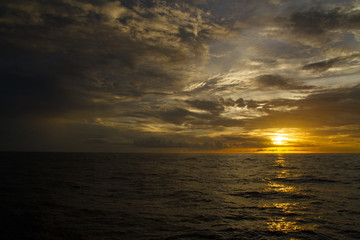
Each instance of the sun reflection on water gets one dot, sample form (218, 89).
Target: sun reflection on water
(292, 211)
(289, 223)
(281, 225)
(280, 161)
(280, 187)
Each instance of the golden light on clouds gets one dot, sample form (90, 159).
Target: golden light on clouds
(280, 139)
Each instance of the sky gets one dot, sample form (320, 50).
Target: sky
(180, 76)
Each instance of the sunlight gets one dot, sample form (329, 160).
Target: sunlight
(280, 139)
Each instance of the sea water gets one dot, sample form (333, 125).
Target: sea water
(179, 196)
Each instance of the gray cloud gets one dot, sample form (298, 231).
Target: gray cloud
(218, 107)
(246, 141)
(156, 142)
(202, 143)
(210, 106)
(180, 116)
(317, 21)
(277, 81)
(251, 104)
(52, 134)
(240, 102)
(179, 141)
(74, 53)
(325, 65)
(322, 66)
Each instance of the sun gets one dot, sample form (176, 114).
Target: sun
(280, 139)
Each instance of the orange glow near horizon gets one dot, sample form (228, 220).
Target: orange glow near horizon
(280, 140)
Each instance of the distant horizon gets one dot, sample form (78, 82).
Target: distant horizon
(184, 152)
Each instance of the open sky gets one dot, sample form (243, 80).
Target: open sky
(180, 76)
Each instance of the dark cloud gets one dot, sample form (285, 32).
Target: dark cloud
(58, 21)
(325, 65)
(141, 3)
(229, 102)
(322, 66)
(96, 141)
(75, 62)
(269, 106)
(240, 102)
(202, 143)
(247, 141)
(52, 134)
(218, 107)
(155, 142)
(279, 82)
(231, 11)
(251, 104)
(224, 122)
(185, 142)
(210, 106)
(316, 21)
(58, 63)
(180, 116)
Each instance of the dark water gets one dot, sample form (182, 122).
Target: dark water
(179, 196)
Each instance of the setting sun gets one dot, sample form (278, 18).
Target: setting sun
(280, 140)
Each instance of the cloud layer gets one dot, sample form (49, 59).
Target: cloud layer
(178, 75)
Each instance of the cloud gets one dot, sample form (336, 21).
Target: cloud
(152, 142)
(202, 143)
(325, 65)
(54, 134)
(179, 142)
(180, 116)
(316, 21)
(240, 102)
(326, 108)
(218, 107)
(277, 81)
(246, 141)
(144, 73)
(64, 56)
(210, 106)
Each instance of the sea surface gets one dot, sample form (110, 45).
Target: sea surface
(179, 196)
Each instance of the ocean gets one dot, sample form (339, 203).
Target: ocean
(179, 196)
